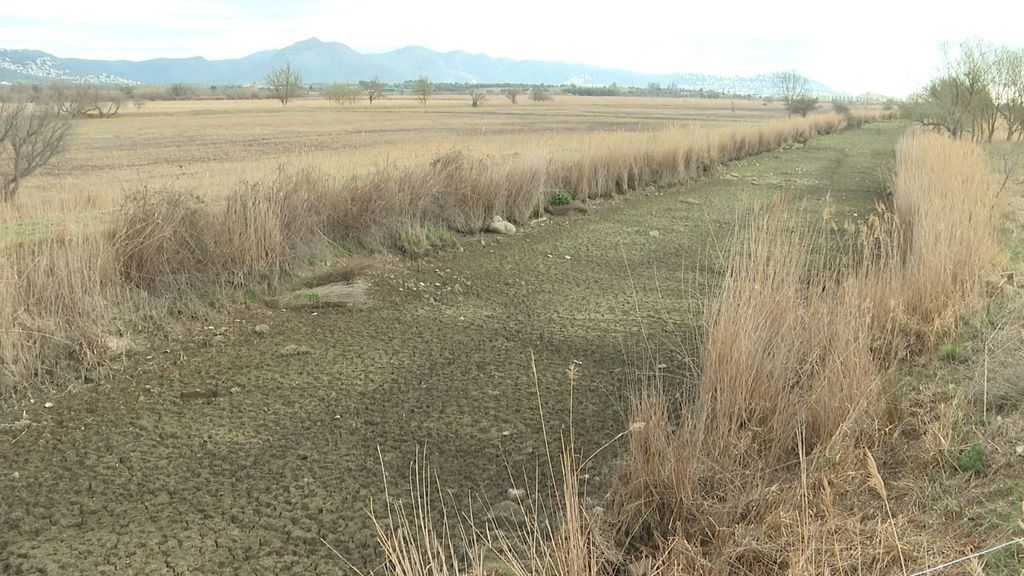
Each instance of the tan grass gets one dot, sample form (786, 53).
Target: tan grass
(761, 476)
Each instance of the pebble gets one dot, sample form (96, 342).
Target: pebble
(293, 350)
(48, 405)
(654, 233)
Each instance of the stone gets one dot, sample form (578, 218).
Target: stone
(508, 514)
(119, 345)
(294, 350)
(499, 225)
(262, 328)
(654, 233)
(516, 493)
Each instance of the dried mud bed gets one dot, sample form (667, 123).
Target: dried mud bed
(219, 454)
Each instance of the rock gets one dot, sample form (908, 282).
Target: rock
(262, 328)
(754, 181)
(508, 514)
(119, 345)
(235, 390)
(499, 225)
(293, 350)
(48, 405)
(654, 233)
(516, 493)
(733, 176)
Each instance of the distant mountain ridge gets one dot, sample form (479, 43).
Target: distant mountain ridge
(327, 62)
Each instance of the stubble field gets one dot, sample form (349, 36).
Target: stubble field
(210, 147)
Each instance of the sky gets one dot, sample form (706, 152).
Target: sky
(889, 47)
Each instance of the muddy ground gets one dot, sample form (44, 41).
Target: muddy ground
(220, 453)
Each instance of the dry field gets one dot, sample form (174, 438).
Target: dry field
(219, 449)
(209, 147)
(807, 359)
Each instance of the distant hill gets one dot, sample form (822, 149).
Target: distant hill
(326, 62)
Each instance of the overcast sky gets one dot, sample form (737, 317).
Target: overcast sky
(889, 46)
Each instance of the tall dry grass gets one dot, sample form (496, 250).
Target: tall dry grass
(764, 472)
(65, 295)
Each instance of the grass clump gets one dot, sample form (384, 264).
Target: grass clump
(951, 352)
(971, 458)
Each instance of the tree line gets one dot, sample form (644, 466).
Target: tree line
(979, 93)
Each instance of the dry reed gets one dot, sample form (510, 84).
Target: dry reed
(756, 478)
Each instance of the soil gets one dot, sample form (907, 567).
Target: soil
(223, 453)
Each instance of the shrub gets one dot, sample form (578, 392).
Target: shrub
(562, 197)
(971, 458)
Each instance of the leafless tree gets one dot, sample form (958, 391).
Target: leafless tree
(477, 97)
(374, 90)
(285, 82)
(83, 100)
(30, 136)
(424, 88)
(1008, 89)
(960, 101)
(339, 93)
(790, 87)
(513, 94)
(538, 94)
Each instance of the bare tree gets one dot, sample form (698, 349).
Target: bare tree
(538, 94)
(339, 93)
(513, 94)
(1008, 89)
(285, 82)
(961, 100)
(477, 97)
(374, 90)
(30, 136)
(790, 86)
(83, 100)
(423, 88)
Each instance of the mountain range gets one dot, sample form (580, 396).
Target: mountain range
(326, 62)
